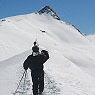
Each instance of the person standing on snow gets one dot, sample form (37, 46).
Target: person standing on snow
(35, 62)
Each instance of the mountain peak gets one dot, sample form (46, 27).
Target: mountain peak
(50, 11)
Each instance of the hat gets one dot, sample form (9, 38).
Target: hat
(35, 48)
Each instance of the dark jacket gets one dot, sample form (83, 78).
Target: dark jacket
(36, 62)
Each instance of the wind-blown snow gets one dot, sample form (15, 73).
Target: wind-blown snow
(71, 65)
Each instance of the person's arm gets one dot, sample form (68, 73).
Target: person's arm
(25, 64)
(45, 54)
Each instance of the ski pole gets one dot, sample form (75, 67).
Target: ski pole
(20, 81)
(25, 76)
(24, 86)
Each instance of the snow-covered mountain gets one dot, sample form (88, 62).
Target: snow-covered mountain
(19, 32)
(70, 69)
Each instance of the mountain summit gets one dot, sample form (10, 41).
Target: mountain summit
(50, 11)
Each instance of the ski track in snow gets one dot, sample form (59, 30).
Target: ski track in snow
(25, 88)
(51, 86)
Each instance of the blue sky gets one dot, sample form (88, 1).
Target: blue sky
(80, 13)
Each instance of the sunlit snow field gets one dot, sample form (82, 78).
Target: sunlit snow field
(70, 69)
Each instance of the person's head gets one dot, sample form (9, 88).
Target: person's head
(35, 48)
(35, 43)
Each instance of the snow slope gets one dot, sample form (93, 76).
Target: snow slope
(19, 32)
(70, 69)
(91, 38)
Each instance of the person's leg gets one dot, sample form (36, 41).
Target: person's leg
(41, 82)
(35, 84)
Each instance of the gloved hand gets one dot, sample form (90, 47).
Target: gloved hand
(25, 70)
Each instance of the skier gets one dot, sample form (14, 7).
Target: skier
(35, 62)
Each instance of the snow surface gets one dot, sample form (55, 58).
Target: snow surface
(91, 38)
(71, 67)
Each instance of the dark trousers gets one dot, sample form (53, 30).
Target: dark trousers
(38, 81)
